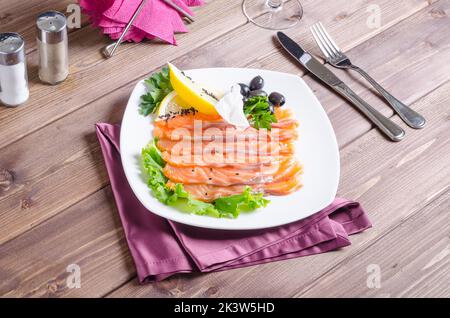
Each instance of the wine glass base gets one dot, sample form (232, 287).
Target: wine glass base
(260, 13)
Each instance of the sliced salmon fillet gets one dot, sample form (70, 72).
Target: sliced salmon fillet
(187, 120)
(283, 113)
(228, 133)
(189, 146)
(222, 125)
(238, 160)
(230, 175)
(284, 123)
(222, 160)
(209, 193)
(285, 187)
(213, 127)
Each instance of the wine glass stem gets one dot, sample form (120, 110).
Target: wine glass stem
(274, 5)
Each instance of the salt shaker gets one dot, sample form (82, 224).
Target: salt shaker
(53, 47)
(13, 70)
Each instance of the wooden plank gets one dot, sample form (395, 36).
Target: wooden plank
(413, 260)
(48, 104)
(40, 187)
(81, 235)
(383, 176)
(66, 167)
(97, 216)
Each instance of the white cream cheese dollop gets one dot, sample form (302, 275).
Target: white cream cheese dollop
(231, 108)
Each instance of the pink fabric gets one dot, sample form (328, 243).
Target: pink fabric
(161, 248)
(157, 19)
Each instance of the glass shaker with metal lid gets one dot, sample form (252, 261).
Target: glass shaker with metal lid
(53, 47)
(13, 70)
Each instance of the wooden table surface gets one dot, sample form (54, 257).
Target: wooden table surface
(56, 206)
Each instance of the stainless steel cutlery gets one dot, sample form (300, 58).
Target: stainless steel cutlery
(335, 57)
(109, 50)
(189, 18)
(388, 127)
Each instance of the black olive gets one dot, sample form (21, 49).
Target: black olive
(245, 90)
(277, 99)
(258, 92)
(256, 83)
(271, 108)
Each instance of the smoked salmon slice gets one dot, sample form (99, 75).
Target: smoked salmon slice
(209, 193)
(230, 175)
(188, 120)
(223, 134)
(189, 146)
(238, 160)
(213, 159)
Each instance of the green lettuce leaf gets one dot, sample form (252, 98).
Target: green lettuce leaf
(247, 201)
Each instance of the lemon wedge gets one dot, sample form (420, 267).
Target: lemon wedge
(171, 104)
(193, 94)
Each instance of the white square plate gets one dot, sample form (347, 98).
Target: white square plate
(316, 149)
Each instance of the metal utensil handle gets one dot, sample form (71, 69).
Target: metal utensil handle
(387, 126)
(409, 116)
(179, 9)
(127, 28)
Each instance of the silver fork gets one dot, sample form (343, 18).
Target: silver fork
(335, 57)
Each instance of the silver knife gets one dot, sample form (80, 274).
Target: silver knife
(387, 126)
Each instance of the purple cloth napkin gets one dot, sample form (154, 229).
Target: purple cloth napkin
(161, 248)
(157, 19)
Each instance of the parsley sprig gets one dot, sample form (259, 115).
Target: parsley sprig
(258, 109)
(158, 87)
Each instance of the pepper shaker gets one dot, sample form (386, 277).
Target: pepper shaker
(13, 70)
(53, 47)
